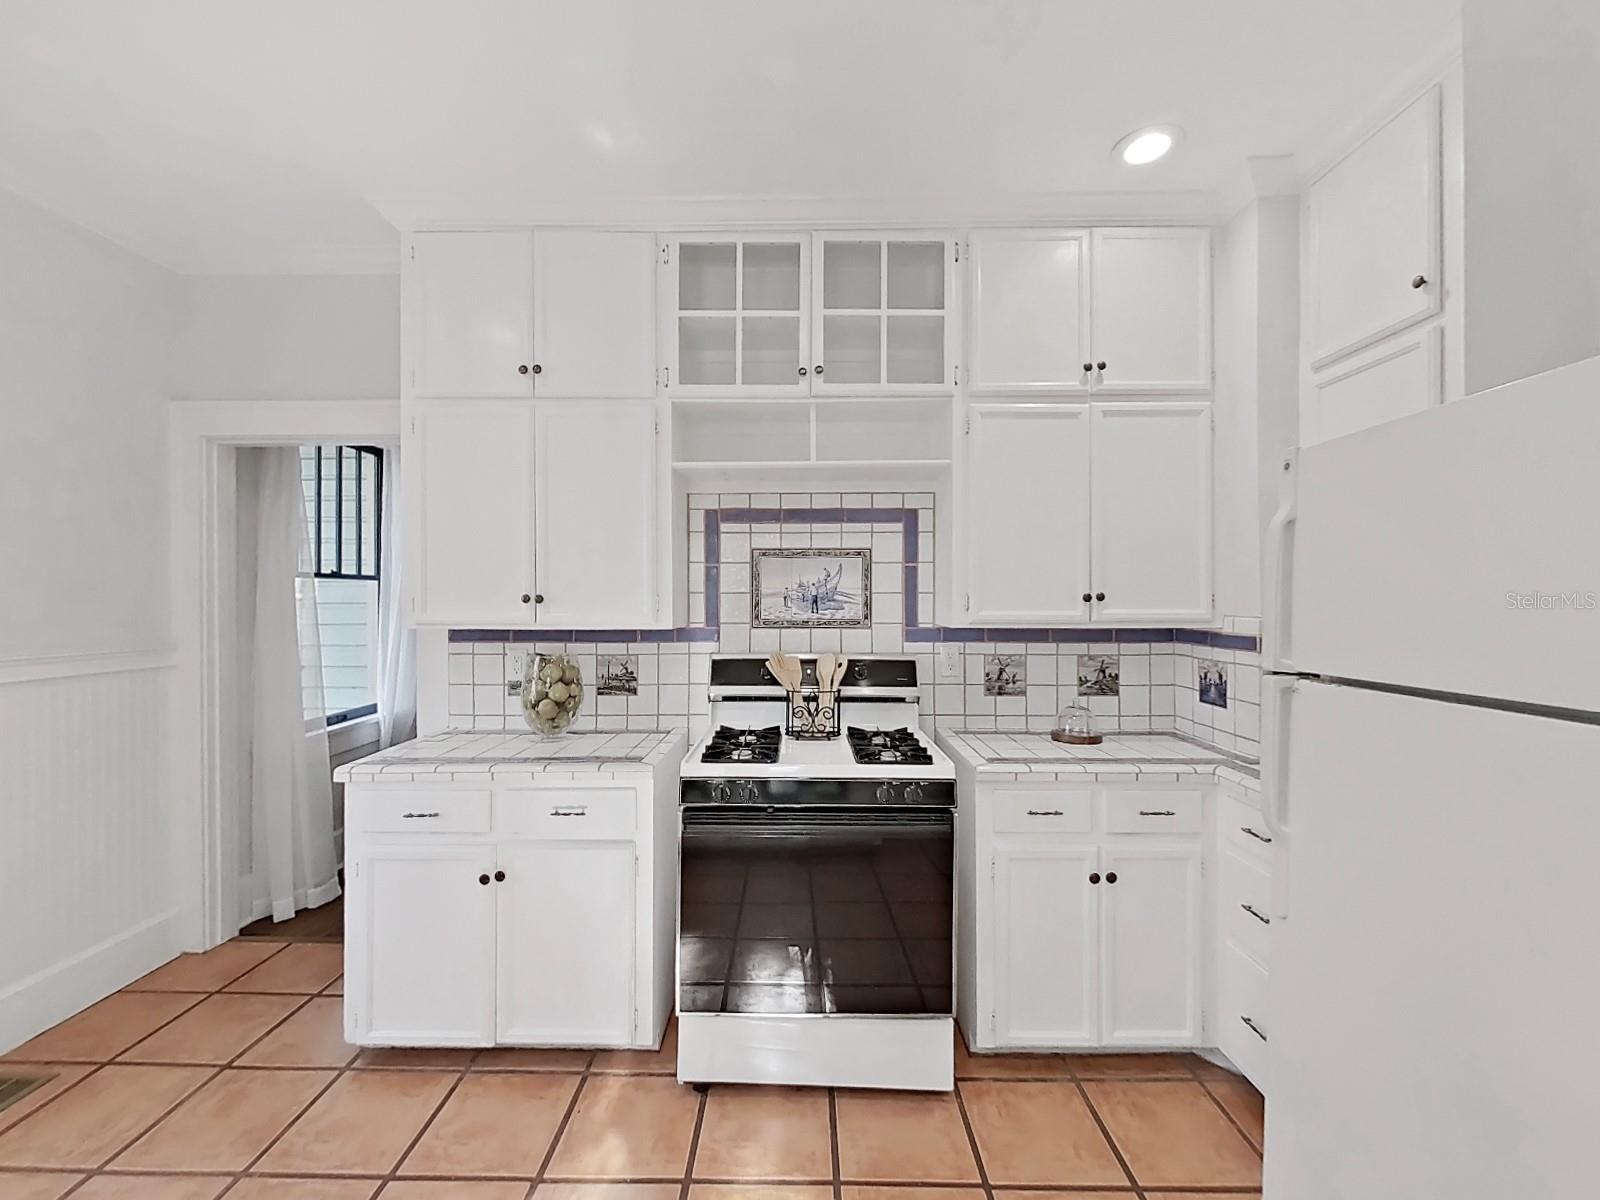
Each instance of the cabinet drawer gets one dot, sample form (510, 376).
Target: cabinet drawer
(418, 810)
(1017, 810)
(1245, 891)
(567, 813)
(1241, 1012)
(1245, 828)
(1152, 811)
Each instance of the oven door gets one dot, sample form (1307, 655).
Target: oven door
(796, 909)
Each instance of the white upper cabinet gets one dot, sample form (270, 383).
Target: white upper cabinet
(740, 322)
(1151, 551)
(1026, 516)
(469, 300)
(881, 314)
(1373, 236)
(594, 480)
(594, 313)
(1151, 310)
(1030, 312)
(470, 509)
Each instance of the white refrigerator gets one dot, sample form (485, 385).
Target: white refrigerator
(1432, 774)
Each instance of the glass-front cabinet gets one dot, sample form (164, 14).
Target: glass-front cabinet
(741, 322)
(882, 319)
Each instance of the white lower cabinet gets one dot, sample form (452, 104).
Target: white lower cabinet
(1044, 935)
(1150, 922)
(1245, 928)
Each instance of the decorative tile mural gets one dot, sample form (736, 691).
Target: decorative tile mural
(616, 674)
(810, 589)
(1099, 675)
(1005, 675)
(1211, 680)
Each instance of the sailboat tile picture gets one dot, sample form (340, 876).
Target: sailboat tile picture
(811, 589)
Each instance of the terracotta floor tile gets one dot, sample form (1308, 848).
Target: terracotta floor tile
(313, 1037)
(758, 1191)
(858, 1192)
(1039, 1133)
(104, 1030)
(1133, 1066)
(154, 1187)
(303, 1188)
(36, 1185)
(494, 1125)
(609, 1191)
(66, 1074)
(1126, 1194)
(302, 969)
(1197, 1196)
(643, 1062)
(336, 988)
(417, 1189)
(406, 1058)
(765, 1133)
(628, 1127)
(1173, 1135)
(207, 972)
(361, 1125)
(513, 1058)
(224, 1125)
(98, 1117)
(908, 1136)
(1009, 1066)
(1244, 1104)
(214, 1031)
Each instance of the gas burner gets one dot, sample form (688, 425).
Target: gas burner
(884, 746)
(730, 745)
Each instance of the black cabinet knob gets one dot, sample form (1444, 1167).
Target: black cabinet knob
(1111, 876)
(537, 369)
(483, 879)
(527, 599)
(1095, 877)
(499, 876)
(1419, 281)
(538, 597)
(1087, 597)
(802, 371)
(523, 369)
(1087, 367)
(818, 368)
(1099, 366)
(1099, 596)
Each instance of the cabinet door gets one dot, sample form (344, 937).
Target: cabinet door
(1045, 933)
(1151, 556)
(1152, 310)
(1026, 513)
(567, 926)
(595, 513)
(1150, 946)
(882, 321)
(1373, 232)
(469, 297)
(740, 320)
(594, 313)
(420, 947)
(1030, 311)
(471, 510)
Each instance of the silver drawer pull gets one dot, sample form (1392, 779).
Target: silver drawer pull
(577, 810)
(1254, 1028)
(1157, 812)
(1044, 812)
(1260, 837)
(1256, 915)
(418, 816)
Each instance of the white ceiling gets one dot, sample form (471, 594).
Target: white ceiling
(260, 135)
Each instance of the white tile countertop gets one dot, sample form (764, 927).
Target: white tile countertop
(503, 757)
(1126, 757)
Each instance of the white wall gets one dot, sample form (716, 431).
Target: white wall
(85, 858)
(289, 337)
(1531, 80)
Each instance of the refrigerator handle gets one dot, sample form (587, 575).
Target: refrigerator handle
(1274, 655)
(1275, 781)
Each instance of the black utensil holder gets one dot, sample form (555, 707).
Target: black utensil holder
(813, 715)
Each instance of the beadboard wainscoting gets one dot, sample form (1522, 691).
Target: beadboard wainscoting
(1158, 670)
(86, 878)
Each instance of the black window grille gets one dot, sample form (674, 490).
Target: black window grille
(347, 514)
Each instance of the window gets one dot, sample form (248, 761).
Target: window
(344, 497)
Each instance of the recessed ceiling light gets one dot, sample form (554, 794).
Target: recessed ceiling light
(1145, 146)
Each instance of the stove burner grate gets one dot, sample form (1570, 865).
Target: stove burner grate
(729, 745)
(885, 746)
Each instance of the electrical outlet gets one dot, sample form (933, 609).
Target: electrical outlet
(516, 665)
(949, 662)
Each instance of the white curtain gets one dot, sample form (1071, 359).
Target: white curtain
(294, 858)
(397, 645)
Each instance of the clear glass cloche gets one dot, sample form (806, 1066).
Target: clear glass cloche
(1075, 725)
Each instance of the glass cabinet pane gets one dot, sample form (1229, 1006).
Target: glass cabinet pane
(771, 350)
(916, 274)
(705, 349)
(850, 275)
(851, 349)
(916, 349)
(706, 276)
(772, 276)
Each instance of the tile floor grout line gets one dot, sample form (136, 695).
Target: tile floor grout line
(561, 1128)
(394, 1168)
(972, 1141)
(1105, 1132)
(833, 1142)
(1215, 1099)
(694, 1145)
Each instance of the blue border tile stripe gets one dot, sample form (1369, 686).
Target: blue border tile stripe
(907, 519)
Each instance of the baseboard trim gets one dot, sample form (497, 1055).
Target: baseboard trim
(47, 997)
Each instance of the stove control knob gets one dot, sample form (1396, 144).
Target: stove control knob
(749, 793)
(913, 793)
(859, 670)
(721, 793)
(886, 793)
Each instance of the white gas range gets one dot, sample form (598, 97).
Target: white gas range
(815, 936)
